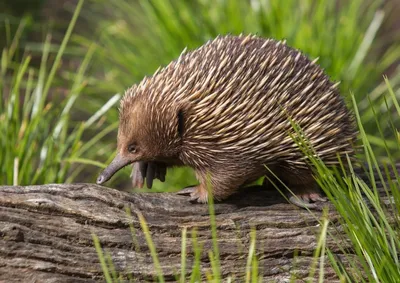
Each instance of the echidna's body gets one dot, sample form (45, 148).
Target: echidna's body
(227, 110)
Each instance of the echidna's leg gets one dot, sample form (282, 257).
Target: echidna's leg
(220, 184)
(304, 190)
(197, 193)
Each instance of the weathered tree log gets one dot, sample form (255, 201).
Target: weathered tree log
(46, 234)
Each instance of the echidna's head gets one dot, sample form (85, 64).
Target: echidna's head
(148, 130)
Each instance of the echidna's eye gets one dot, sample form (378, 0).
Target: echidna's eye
(132, 148)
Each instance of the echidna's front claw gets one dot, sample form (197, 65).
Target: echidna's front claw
(186, 191)
(310, 201)
(317, 197)
(196, 193)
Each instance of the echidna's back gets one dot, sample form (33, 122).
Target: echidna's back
(242, 93)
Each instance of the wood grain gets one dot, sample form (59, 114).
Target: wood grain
(46, 233)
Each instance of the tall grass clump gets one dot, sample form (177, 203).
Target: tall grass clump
(369, 205)
(139, 36)
(39, 140)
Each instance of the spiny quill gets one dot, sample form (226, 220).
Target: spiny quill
(227, 110)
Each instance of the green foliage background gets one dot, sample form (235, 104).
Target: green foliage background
(138, 37)
(59, 97)
(127, 40)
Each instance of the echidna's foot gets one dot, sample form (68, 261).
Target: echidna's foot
(307, 200)
(147, 171)
(197, 194)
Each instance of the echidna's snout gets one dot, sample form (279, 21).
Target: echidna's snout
(118, 163)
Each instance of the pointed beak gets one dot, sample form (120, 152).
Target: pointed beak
(118, 163)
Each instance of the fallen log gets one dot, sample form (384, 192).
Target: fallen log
(46, 234)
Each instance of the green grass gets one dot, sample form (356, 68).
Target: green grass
(137, 38)
(56, 125)
(40, 141)
(371, 224)
(150, 244)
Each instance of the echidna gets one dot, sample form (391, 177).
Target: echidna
(227, 110)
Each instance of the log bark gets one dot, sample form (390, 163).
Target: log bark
(46, 234)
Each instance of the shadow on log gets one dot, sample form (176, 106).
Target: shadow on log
(46, 234)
